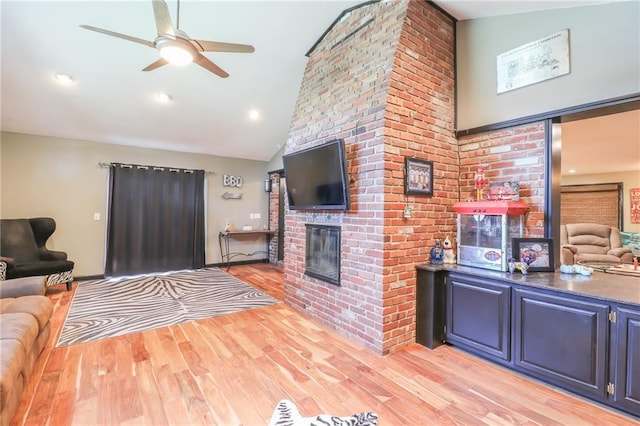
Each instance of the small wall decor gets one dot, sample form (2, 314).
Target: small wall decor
(418, 176)
(232, 195)
(634, 196)
(534, 62)
(535, 252)
(235, 181)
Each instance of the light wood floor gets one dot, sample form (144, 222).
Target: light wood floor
(233, 370)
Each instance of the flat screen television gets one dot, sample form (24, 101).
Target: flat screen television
(317, 177)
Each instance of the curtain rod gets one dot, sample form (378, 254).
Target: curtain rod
(107, 165)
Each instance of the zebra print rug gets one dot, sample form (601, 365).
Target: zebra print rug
(115, 307)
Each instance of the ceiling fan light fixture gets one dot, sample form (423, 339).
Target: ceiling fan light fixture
(176, 55)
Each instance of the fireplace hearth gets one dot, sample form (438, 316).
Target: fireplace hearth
(322, 254)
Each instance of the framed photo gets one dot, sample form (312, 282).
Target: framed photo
(418, 177)
(539, 250)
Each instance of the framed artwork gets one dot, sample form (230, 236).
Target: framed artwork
(537, 251)
(418, 177)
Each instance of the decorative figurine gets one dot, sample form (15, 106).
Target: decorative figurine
(479, 182)
(449, 255)
(437, 254)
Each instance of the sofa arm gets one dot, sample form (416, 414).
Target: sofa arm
(567, 253)
(46, 254)
(620, 251)
(10, 262)
(25, 286)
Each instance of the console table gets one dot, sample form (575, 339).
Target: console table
(225, 236)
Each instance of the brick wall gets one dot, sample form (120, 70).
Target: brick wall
(386, 88)
(513, 154)
(419, 122)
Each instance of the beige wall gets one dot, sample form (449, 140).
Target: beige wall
(604, 58)
(276, 161)
(61, 178)
(629, 180)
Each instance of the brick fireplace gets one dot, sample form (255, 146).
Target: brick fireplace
(382, 79)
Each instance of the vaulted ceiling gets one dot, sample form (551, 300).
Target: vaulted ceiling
(113, 100)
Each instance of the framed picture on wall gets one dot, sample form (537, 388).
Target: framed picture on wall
(537, 251)
(418, 177)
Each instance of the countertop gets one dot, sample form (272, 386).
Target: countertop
(600, 285)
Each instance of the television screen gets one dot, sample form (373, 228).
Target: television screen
(317, 178)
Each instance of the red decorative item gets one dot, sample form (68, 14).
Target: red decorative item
(479, 182)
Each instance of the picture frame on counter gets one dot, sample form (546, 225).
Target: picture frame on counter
(538, 250)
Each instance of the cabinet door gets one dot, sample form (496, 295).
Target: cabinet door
(627, 368)
(478, 316)
(562, 340)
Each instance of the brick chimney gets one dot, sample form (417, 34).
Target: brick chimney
(382, 79)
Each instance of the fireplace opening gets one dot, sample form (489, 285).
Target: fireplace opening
(322, 254)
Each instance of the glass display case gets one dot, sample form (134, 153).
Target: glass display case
(485, 232)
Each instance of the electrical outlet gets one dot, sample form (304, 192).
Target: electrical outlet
(257, 216)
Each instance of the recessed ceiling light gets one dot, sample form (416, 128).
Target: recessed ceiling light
(65, 79)
(572, 171)
(164, 98)
(254, 114)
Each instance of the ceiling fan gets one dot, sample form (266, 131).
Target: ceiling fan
(175, 46)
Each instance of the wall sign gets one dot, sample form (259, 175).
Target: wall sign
(235, 181)
(534, 62)
(635, 204)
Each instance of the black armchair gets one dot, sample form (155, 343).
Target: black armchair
(23, 251)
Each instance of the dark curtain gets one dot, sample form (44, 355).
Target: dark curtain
(156, 220)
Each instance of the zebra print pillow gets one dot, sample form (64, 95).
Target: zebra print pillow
(286, 414)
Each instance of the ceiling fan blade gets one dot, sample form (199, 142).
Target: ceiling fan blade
(114, 34)
(157, 64)
(163, 18)
(210, 66)
(216, 46)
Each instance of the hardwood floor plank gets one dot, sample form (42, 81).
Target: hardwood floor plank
(222, 411)
(150, 401)
(139, 351)
(224, 375)
(192, 358)
(233, 370)
(174, 406)
(65, 404)
(88, 382)
(85, 412)
(199, 412)
(40, 409)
